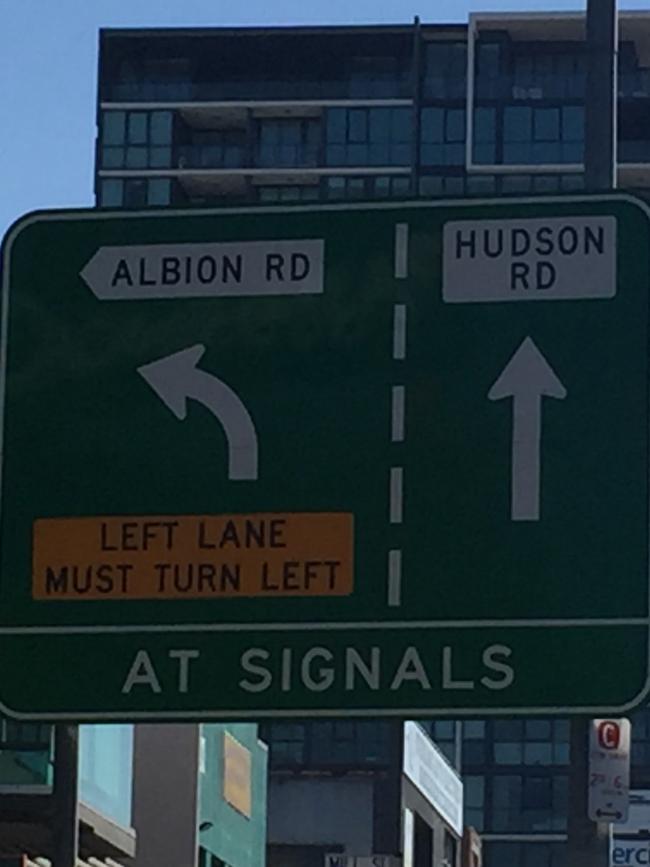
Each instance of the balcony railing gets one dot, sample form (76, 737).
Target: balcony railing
(287, 156)
(637, 151)
(236, 156)
(371, 87)
(210, 157)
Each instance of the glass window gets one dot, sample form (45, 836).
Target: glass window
(135, 193)
(485, 153)
(159, 191)
(537, 793)
(538, 729)
(361, 136)
(160, 158)
(430, 185)
(474, 752)
(401, 121)
(432, 124)
(484, 125)
(106, 769)
(137, 127)
(113, 127)
(573, 123)
(546, 183)
(538, 753)
(336, 125)
(517, 124)
(455, 130)
(517, 153)
(508, 753)
(358, 124)
(443, 730)
(481, 185)
(508, 730)
(111, 193)
(112, 157)
(379, 125)
(161, 127)
(516, 183)
(356, 188)
(454, 185)
(280, 143)
(449, 849)
(335, 188)
(442, 136)
(401, 187)
(445, 70)
(136, 157)
(473, 729)
(546, 124)
(474, 790)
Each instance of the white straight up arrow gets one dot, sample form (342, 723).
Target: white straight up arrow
(526, 378)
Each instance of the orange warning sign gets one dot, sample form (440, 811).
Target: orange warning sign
(193, 556)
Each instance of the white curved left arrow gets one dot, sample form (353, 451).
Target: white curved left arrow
(175, 378)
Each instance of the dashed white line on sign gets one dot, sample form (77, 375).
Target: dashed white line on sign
(399, 332)
(398, 416)
(396, 494)
(401, 250)
(394, 577)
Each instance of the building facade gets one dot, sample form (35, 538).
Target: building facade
(28, 768)
(490, 107)
(149, 795)
(199, 795)
(390, 802)
(198, 117)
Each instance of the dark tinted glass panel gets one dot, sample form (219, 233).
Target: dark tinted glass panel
(137, 127)
(358, 125)
(113, 157)
(336, 125)
(135, 193)
(546, 124)
(111, 193)
(159, 191)
(160, 127)
(517, 124)
(484, 125)
(113, 127)
(455, 131)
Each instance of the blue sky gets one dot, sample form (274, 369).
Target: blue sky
(48, 60)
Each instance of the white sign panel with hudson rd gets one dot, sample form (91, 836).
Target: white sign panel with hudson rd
(559, 258)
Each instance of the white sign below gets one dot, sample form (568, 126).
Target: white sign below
(609, 770)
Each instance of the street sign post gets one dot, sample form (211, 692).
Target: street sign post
(386, 459)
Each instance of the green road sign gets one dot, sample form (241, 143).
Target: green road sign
(385, 459)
